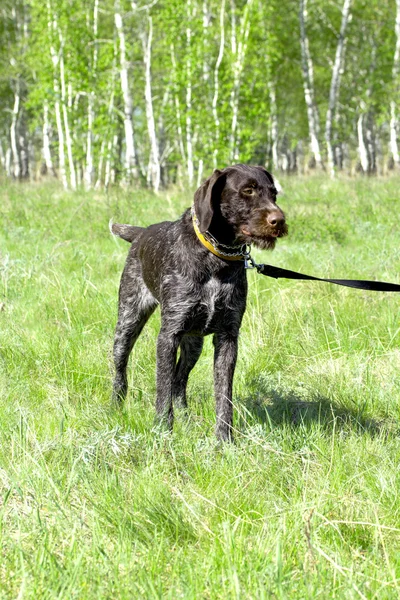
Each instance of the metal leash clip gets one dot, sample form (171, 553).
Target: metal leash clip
(249, 262)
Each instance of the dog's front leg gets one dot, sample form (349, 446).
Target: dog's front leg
(167, 348)
(224, 367)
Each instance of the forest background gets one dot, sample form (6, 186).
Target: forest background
(96, 92)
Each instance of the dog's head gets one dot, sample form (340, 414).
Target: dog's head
(239, 202)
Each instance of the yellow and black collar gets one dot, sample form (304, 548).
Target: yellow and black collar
(220, 250)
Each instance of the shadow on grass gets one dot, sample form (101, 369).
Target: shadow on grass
(276, 408)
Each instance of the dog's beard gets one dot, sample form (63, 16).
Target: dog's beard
(264, 243)
(264, 240)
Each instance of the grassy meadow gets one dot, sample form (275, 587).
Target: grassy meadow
(95, 503)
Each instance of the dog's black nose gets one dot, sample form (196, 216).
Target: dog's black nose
(276, 219)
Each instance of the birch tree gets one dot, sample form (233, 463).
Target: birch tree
(89, 167)
(239, 42)
(130, 151)
(188, 66)
(308, 82)
(335, 84)
(153, 172)
(216, 82)
(64, 101)
(395, 94)
(56, 89)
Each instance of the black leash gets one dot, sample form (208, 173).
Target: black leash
(277, 273)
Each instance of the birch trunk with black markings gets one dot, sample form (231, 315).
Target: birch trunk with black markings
(308, 84)
(239, 48)
(57, 109)
(89, 172)
(189, 132)
(48, 166)
(394, 149)
(64, 100)
(130, 163)
(153, 171)
(216, 83)
(335, 85)
(16, 166)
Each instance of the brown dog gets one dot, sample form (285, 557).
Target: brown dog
(194, 268)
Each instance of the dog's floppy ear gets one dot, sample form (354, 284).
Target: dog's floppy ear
(205, 196)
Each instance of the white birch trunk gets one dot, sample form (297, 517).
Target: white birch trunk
(2, 156)
(130, 152)
(60, 131)
(362, 148)
(56, 88)
(16, 168)
(274, 124)
(216, 82)
(48, 161)
(308, 84)
(335, 83)
(393, 103)
(8, 162)
(206, 25)
(68, 139)
(110, 175)
(89, 173)
(107, 171)
(154, 170)
(100, 166)
(240, 47)
(189, 140)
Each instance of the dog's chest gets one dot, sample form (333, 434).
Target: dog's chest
(203, 307)
(214, 295)
(220, 306)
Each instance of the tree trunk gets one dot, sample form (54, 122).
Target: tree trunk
(308, 84)
(2, 156)
(393, 103)
(88, 176)
(362, 148)
(100, 167)
(48, 166)
(130, 151)
(335, 84)
(16, 166)
(68, 139)
(274, 124)
(216, 83)
(8, 162)
(24, 151)
(57, 110)
(240, 48)
(109, 176)
(89, 173)
(189, 139)
(153, 175)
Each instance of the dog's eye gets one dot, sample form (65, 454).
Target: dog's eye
(249, 190)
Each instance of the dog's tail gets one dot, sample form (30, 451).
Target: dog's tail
(126, 232)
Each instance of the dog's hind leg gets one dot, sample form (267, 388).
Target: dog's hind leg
(190, 350)
(136, 304)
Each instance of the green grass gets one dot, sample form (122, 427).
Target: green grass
(97, 504)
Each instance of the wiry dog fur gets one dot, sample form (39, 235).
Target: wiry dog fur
(198, 292)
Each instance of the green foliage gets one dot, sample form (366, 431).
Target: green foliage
(181, 62)
(97, 504)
